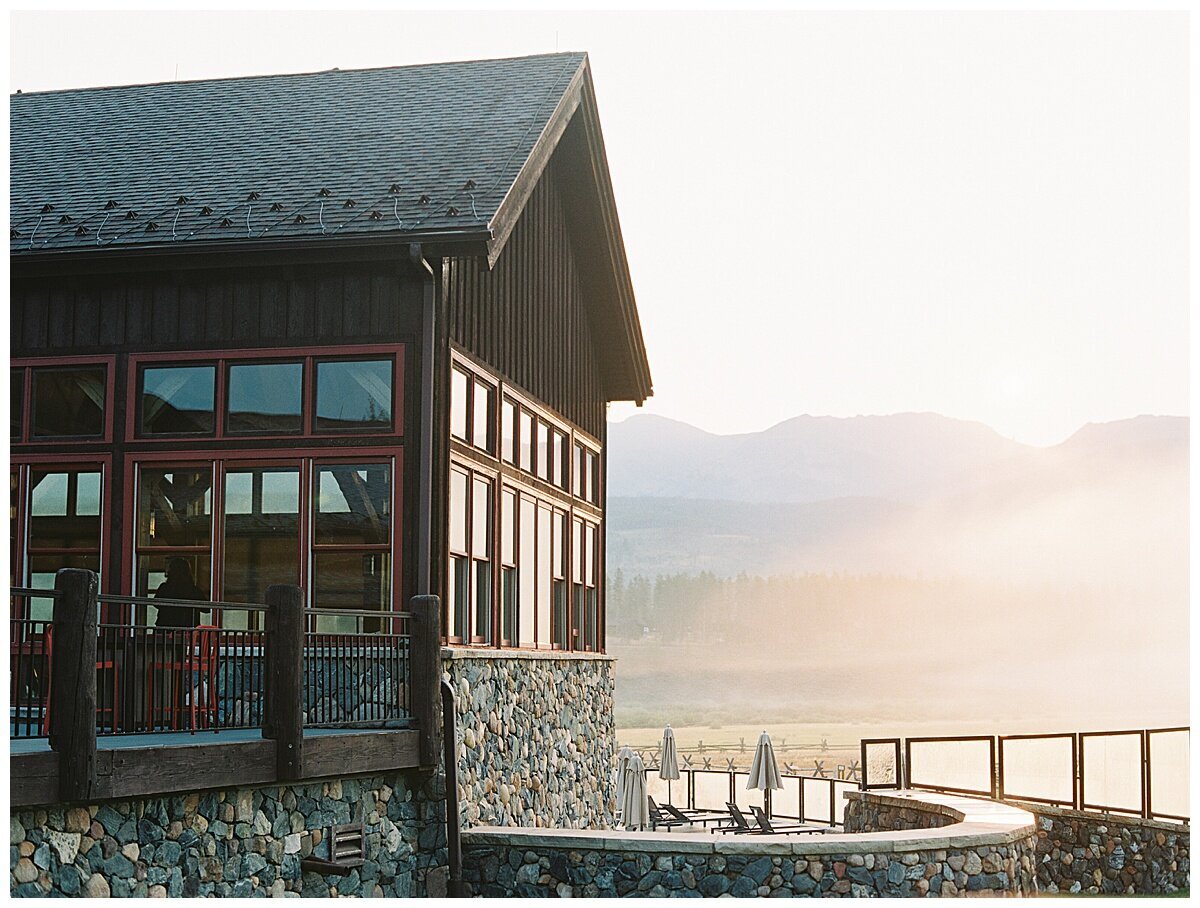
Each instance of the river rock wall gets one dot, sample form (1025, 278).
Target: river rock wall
(536, 737)
(236, 842)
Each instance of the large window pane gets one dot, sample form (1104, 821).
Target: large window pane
(353, 504)
(351, 580)
(178, 400)
(262, 531)
(458, 511)
(68, 402)
(543, 450)
(528, 570)
(175, 507)
(265, 398)
(43, 568)
(508, 550)
(460, 597)
(175, 576)
(481, 518)
(354, 395)
(545, 549)
(526, 443)
(459, 383)
(508, 430)
(64, 509)
(484, 401)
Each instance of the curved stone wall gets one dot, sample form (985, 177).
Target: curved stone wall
(536, 737)
(985, 848)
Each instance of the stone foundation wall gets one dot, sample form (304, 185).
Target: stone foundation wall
(1110, 855)
(236, 842)
(536, 735)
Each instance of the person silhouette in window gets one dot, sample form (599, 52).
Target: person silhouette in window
(178, 585)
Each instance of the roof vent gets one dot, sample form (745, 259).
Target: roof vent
(111, 205)
(349, 203)
(423, 200)
(13, 233)
(452, 211)
(182, 200)
(300, 219)
(131, 215)
(206, 210)
(470, 184)
(394, 189)
(151, 226)
(277, 206)
(226, 222)
(65, 219)
(81, 230)
(46, 209)
(253, 197)
(375, 216)
(324, 193)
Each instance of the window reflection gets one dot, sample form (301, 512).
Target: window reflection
(177, 400)
(68, 402)
(262, 531)
(484, 400)
(353, 505)
(354, 395)
(265, 398)
(64, 528)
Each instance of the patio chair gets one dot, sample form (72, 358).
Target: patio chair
(193, 679)
(766, 827)
(665, 820)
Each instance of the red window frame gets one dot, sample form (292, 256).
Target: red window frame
(22, 465)
(28, 364)
(223, 359)
(248, 457)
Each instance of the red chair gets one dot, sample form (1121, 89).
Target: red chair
(197, 664)
(107, 661)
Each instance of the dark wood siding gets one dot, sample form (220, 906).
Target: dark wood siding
(213, 309)
(526, 318)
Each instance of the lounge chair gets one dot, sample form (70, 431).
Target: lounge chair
(766, 827)
(691, 816)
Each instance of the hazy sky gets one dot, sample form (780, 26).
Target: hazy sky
(982, 215)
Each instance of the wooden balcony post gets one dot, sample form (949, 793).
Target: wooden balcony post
(425, 673)
(284, 668)
(72, 701)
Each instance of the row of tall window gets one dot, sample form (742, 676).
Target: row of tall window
(529, 440)
(524, 570)
(302, 395)
(238, 528)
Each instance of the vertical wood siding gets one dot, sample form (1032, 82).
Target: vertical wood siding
(526, 318)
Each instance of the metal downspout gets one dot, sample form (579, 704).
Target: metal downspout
(425, 493)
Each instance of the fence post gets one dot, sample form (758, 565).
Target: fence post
(284, 669)
(426, 673)
(72, 701)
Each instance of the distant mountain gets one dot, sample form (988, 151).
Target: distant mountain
(904, 494)
(808, 458)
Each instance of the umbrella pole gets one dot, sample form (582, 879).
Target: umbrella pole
(669, 801)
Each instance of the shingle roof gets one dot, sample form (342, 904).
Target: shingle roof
(416, 150)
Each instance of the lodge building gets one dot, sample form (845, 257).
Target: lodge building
(350, 331)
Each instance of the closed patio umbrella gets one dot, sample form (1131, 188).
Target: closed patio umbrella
(764, 772)
(635, 812)
(669, 764)
(623, 757)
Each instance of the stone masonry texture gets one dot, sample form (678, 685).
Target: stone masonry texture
(1110, 855)
(536, 740)
(236, 842)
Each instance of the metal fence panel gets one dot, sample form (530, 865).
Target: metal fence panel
(1168, 764)
(958, 764)
(1112, 771)
(1039, 768)
(880, 763)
